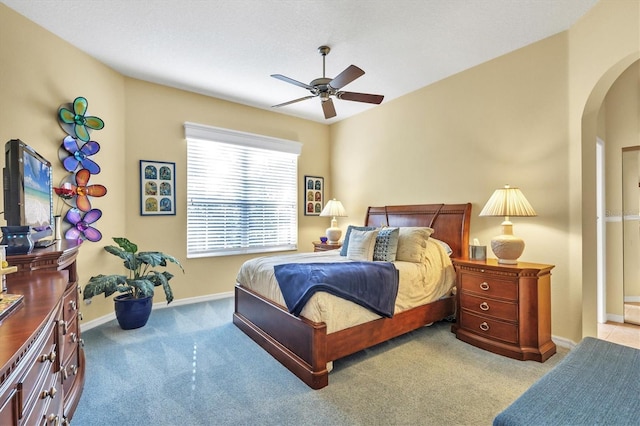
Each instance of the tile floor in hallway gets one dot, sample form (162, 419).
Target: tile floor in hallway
(621, 333)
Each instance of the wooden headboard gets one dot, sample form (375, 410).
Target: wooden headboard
(449, 221)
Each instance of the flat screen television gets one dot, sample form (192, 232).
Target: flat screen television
(28, 189)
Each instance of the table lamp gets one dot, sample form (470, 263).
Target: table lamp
(334, 209)
(507, 202)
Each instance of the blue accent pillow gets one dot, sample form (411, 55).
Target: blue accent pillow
(386, 245)
(345, 243)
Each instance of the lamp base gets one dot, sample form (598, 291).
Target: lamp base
(507, 248)
(333, 235)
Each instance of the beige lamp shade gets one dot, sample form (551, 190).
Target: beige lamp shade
(507, 202)
(334, 209)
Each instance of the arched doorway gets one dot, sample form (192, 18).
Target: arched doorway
(589, 127)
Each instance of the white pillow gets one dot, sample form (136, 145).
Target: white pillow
(412, 243)
(361, 245)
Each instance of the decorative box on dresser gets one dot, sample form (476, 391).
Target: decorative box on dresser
(505, 309)
(41, 353)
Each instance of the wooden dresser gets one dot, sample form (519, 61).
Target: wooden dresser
(41, 353)
(505, 309)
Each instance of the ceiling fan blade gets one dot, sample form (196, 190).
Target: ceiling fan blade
(292, 81)
(328, 108)
(360, 97)
(345, 77)
(293, 101)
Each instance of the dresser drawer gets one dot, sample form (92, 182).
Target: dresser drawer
(69, 339)
(489, 286)
(70, 304)
(46, 409)
(43, 365)
(503, 310)
(8, 409)
(493, 329)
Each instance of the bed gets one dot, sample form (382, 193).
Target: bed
(306, 347)
(597, 383)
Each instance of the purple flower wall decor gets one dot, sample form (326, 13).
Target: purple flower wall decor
(81, 228)
(77, 155)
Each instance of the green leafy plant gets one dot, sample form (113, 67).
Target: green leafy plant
(140, 280)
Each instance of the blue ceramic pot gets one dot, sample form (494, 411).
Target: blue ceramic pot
(132, 313)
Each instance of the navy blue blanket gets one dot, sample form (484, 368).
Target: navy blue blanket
(373, 285)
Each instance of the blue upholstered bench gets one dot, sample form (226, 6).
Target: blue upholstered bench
(597, 383)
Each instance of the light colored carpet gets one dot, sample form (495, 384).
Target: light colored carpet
(191, 366)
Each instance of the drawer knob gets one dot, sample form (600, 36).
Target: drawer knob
(484, 306)
(73, 337)
(50, 357)
(53, 419)
(484, 326)
(484, 286)
(51, 393)
(73, 305)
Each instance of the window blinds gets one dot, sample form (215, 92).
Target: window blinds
(240, 198)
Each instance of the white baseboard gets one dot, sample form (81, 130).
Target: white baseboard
(160, 305)
(632, 299)
(615, 318)
(563, 342)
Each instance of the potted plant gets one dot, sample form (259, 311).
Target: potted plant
(133, 305)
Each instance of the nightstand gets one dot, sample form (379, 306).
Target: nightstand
(319, 246)
(505, 309)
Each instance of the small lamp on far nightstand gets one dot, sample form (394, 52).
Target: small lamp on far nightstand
(334, 209)
(507, 202)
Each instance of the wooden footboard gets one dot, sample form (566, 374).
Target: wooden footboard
(299, 344)
(304, 347)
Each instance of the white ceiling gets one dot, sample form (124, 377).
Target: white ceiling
(229, 48)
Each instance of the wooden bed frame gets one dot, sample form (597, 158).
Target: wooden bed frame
(304, 347)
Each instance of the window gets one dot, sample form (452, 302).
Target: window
(241, 192)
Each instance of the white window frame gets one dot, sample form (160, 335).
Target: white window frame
(208, 134)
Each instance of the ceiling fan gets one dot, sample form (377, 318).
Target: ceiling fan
(324, 87)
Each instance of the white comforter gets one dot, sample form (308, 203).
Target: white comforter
(420, 283)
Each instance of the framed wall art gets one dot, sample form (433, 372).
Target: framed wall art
(313, 195)
(157, 188)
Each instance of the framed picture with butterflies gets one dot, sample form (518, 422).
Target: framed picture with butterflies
(157, 188)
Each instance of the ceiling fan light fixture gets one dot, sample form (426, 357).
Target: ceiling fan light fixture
(324, 87)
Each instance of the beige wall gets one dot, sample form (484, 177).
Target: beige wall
(155, 117)
(604, 43)
(528, 119)
(517, 119)
(622, 129)
(503, 122)
(39, 72)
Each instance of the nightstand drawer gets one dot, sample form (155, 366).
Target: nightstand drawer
(489, 286)
(493, 329)
(495, 308)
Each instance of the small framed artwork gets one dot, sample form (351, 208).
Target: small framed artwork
(313, 195)
(157, 188)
